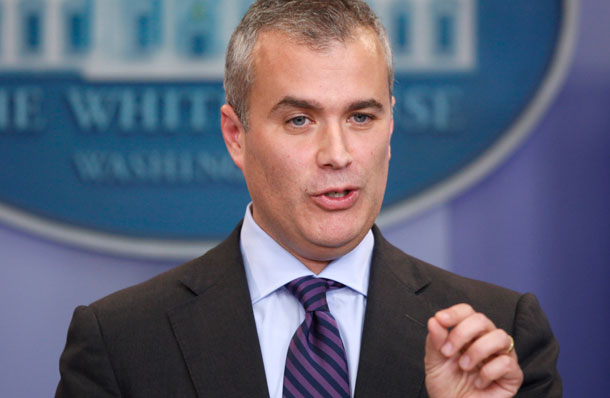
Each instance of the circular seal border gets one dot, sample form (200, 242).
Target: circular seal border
(165, 249)
(509, 141)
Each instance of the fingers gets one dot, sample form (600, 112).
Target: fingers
(503, 369)
(473, 335)
(467, 325)
(451, 316)
(495, 342)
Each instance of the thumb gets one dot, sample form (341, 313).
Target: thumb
(437, 335)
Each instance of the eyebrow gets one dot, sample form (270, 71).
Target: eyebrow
(370, 103)
(292, 102)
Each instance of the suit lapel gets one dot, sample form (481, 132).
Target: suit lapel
(394, 333)
(216, 330)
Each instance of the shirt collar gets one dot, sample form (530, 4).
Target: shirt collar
(269, 266)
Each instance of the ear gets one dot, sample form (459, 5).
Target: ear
(234, 134)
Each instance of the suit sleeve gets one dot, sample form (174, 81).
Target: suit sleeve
(537, 350)
(84, 365)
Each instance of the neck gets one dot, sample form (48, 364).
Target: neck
(314, 266)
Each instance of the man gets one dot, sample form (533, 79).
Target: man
(308, 120)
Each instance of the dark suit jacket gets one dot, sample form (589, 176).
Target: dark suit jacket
(190, 332)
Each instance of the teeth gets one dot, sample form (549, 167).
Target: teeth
(335, 194)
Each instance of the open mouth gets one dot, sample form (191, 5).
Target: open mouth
(339, 199)
(337, 194)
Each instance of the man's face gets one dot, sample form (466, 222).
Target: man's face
(316, 155)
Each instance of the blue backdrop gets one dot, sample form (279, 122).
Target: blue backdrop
(540, 223)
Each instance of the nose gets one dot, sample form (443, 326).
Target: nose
(333, 152)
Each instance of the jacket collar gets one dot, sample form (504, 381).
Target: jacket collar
(394, 334)
(216, 330)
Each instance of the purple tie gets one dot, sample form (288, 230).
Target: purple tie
(316, 365)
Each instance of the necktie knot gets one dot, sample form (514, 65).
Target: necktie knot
(311, 292)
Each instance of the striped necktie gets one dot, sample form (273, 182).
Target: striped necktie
(316, 365)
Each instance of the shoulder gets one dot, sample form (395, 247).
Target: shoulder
(448, 288)
(171, 288)
(440, 288)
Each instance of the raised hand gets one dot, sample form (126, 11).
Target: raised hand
(468, 357)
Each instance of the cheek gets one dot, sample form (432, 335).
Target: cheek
(378, 155)
(275, 166)
(377, 166)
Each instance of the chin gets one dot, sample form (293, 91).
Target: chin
(326, 253)
(335, 238)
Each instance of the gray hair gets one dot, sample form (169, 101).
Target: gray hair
(315, 23)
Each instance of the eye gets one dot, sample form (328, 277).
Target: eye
(361, 118)
(298, 121)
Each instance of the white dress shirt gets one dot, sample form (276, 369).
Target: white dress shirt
(278, 313)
